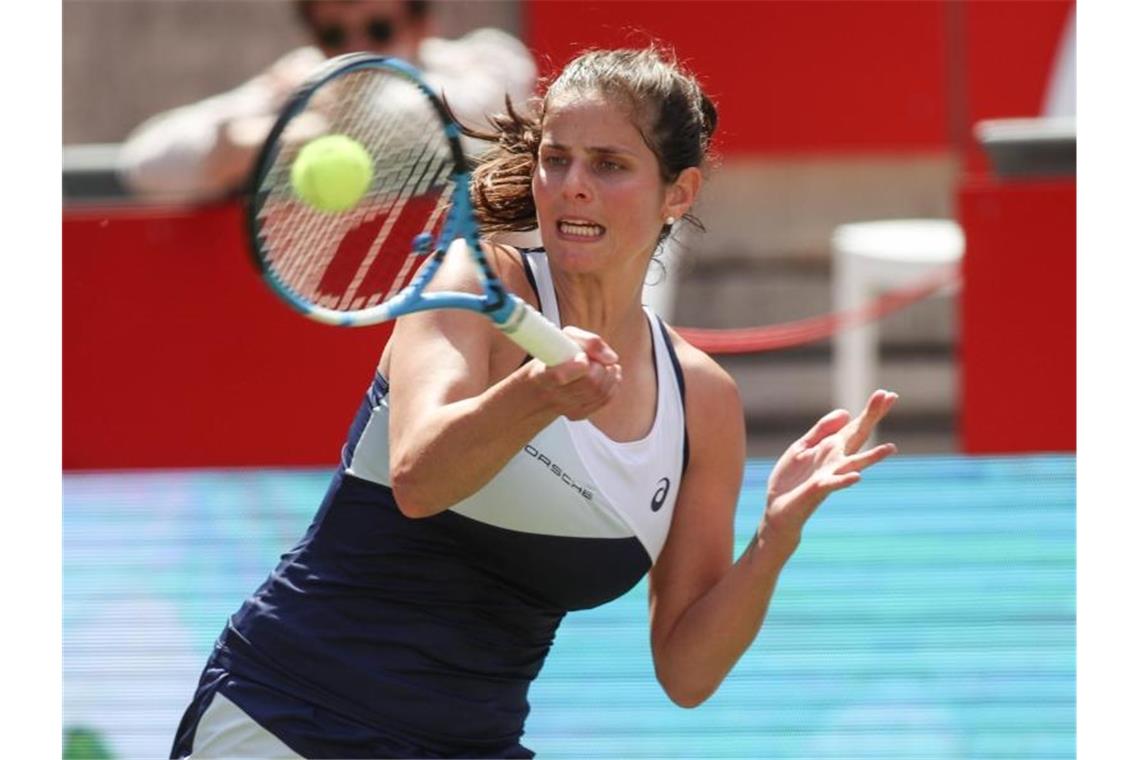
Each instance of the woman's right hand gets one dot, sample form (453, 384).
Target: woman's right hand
(584, 384)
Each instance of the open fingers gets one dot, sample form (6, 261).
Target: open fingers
(828, 424)
(811, 493)
(877, 407)
(863, 460)
(842, 480)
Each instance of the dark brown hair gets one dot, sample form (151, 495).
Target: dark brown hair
(674, 115)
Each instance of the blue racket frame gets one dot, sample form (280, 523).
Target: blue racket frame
(496, 303)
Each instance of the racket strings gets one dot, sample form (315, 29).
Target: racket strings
(355, 93)
(360, 257)
(415, 176)
(358, 114)
(315, 246)
(407, 267)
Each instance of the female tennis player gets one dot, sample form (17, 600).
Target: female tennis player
(482, 494)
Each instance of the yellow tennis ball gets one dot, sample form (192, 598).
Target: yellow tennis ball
(332, 173)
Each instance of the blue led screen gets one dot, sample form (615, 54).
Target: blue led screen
(929, 613)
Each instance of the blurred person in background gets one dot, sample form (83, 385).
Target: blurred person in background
(205, 150)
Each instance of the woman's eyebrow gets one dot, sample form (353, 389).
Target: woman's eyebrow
(602, 149)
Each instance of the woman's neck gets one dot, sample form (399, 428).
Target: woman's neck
(604, 306)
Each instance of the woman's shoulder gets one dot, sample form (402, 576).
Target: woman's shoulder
(508, 262)
(711, 393)
(704, 369)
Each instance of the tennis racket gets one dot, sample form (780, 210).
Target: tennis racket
(371, 263)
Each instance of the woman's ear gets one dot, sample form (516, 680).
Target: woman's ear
(682, 193)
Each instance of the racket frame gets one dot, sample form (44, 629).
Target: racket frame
(496, 302)
(514, 317)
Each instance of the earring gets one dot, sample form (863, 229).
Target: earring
(669, 221)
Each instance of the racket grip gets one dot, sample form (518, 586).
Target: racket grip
(538, 335)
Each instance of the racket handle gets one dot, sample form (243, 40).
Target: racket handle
(538, 335)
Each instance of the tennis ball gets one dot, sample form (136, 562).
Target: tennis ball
(332, 173)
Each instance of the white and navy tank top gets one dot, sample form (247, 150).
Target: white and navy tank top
(420, 637)
(571, 480)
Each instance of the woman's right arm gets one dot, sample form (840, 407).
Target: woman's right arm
(456, 417)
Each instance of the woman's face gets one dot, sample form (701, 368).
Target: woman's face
(597, 187)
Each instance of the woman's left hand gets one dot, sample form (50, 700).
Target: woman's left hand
(824, 460)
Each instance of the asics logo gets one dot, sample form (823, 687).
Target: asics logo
(660, 494)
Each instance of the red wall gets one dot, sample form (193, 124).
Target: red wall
(175, 354)
(1018, 315)
(787, 76)
(792, 76)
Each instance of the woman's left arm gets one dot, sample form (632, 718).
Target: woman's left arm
(705, 609)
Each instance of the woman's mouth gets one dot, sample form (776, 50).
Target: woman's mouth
(580, 229)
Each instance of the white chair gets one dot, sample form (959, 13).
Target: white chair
(870, 257)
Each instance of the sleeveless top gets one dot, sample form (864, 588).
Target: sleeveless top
(428, 632)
